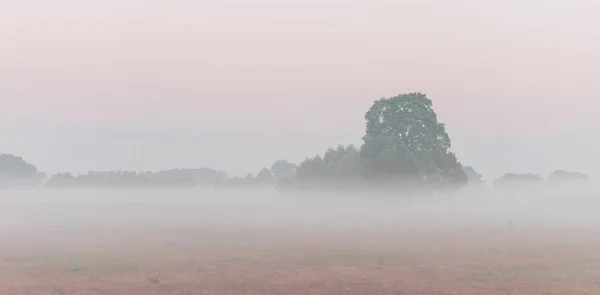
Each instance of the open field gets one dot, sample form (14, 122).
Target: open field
(95, 256)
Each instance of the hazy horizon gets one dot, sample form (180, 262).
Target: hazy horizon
(149, 85)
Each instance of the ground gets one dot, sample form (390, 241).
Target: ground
(408, 260)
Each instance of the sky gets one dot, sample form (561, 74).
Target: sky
(235, 85)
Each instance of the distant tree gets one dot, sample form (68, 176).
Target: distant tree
(516, 179)
(405, 140)
(264, 176)
(340, 163)
(472, 175)
(201, 176)
(249, 179)
(15, 171)
(60, 180)
(311, 168)
(220, 182)
(15, 167)
(566, 176)
(122, 179)
(234, 182)
(42, 176)
(282, 169)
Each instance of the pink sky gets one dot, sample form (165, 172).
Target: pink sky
(522, 68)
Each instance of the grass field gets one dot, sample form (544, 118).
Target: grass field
(160, 242)
(432, 260)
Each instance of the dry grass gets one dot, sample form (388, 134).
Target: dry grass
(401, 262)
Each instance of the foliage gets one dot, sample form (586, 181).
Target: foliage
(564, 176)
(201, 176)
(403, 142)
(411, 119)
(61, 180)
(342, 162)
(282, 169)
(15, 171)
(516, 179)
(15, 167)
(238, 182)
(264, 176)
(165, 178)
(472, 175)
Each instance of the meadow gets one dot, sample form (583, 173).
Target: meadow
(261, 243)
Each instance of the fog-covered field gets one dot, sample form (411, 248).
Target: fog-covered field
(268, 208)
(479, 241)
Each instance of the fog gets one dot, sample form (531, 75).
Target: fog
(265, 209)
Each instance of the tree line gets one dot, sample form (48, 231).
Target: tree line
(405, 146)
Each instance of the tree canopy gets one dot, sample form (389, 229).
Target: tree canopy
(404, 139)
(163, 178)
(517, 179)
(16, 171)
(403, 142)
(123, 179)
(339, 163)
(568, 176)
(282, 169)
(16, 167)
(472, 175)
(264, 176)
(411, 119)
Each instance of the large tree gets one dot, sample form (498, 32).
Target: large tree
(282, 169)
(405, 140)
